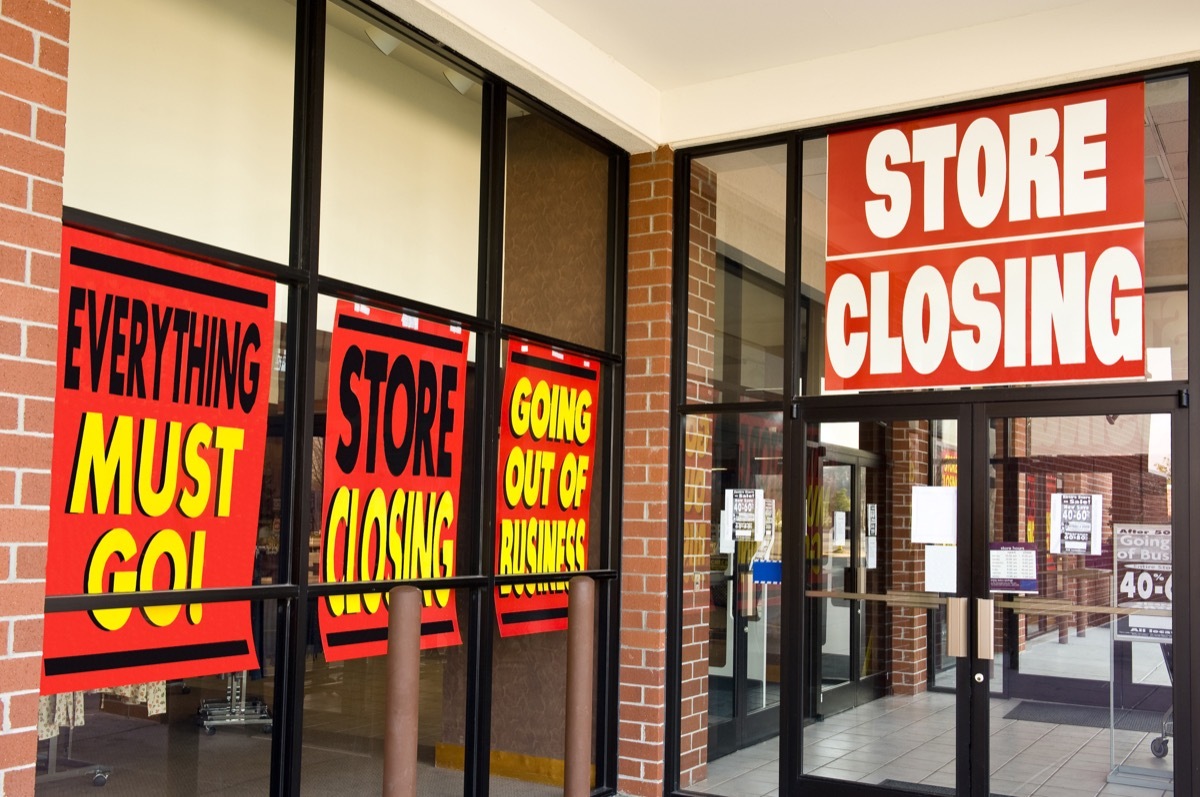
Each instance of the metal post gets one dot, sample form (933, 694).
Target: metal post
(581, 654)
(403, 689)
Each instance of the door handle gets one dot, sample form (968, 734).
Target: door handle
(956, 627)
(986, 643)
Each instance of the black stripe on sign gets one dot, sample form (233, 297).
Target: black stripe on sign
(342, 638)
(520, 358)
(379, 329)
(98, 261)
(95, 662)
(533, 615)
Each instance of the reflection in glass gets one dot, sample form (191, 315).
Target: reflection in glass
(206, 734)
(735, 285)
(345, 705)
(733, 546)
(1087, 501)
(556, 245)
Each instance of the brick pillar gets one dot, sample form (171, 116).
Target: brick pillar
(33, 101)
(647, 422)
(909, 458)
(698, 499)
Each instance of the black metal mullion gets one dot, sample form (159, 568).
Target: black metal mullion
(1186, 444)
(477, 744)
(973, 697)
(304, 240)
(791, 691)
(609, 592)
(675, 471)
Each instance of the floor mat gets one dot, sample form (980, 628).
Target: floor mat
(1087, 716)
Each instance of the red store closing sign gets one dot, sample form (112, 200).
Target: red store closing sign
(393, 473)
(160, 414)
(994, 246)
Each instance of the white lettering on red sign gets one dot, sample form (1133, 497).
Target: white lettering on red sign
(999, 246)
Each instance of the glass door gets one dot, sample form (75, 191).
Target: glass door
(844, 507)
(1080, 525)
(745, 577)
(885, 572)
(1003, 577)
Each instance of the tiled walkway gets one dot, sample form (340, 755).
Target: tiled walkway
(911, 739)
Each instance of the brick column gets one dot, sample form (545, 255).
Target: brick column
(909, 457)
(33, 100)
(698, 498)
(647, 421)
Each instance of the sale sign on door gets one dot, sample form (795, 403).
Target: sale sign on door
(996, 246)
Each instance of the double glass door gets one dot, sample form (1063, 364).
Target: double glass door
(989, 598)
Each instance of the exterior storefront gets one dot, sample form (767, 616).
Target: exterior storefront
(931, 519)
(871, 429)
(336, 313)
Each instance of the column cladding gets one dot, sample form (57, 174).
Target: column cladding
(698, 463)
(33, 101)
(642, 712)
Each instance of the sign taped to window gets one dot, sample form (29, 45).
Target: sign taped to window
(164, 367)
(543, 500)
(393, 473)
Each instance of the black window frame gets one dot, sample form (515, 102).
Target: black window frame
(294, 589)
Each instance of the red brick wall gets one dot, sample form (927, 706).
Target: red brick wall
(642, 710)
(698, 451)
(33, 101)
(908, 455)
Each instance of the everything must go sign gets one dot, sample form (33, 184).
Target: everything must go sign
(994, 246)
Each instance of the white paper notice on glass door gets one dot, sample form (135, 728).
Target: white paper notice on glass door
(1075, 523)
(726, 545)
(935, 515)
(941, 568)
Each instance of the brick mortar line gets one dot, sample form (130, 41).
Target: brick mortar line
(22, 432)
(42, 288)
(33, 213)
(38, 32)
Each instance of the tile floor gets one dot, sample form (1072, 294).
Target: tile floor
(911, 739)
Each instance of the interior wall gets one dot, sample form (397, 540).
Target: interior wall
(179, 118)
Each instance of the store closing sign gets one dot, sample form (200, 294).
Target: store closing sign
(164, 364)
(393, 471)
(997, 246)
(543, 504)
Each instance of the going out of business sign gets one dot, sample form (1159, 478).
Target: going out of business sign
(994, 246)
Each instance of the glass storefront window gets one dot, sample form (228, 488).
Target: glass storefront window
(556, 231)
(206, 734)
(735, 276)
(210, 79)
(400, 167)
(345, 720)
(732, 610)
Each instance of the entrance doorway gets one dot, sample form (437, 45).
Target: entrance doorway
(988, 598)
(842, 502)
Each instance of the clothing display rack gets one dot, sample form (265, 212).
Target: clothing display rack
(71, 768)
(235, 709)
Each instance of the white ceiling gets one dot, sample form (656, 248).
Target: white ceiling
(674, 43)
(650, 72)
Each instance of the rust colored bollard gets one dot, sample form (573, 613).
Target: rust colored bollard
(581, 657)
(403, 690)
